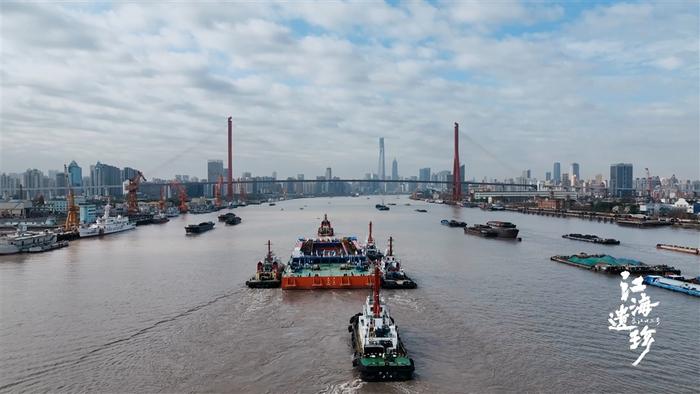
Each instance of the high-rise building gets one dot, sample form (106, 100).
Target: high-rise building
(575, 171)
(621, 180)
(106, 179)
(328, 173)
(75, 174)
(394, 170)
(556, 175)
(129, 173)
(215, 169)
(547, 176)
(565, 181)
(526, 174)
(382, 169)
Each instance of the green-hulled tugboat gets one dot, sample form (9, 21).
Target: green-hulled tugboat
(379, 354)
(269, 272)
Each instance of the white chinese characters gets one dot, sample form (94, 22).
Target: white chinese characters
(628, 317)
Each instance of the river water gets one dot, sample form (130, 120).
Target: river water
(155, 310)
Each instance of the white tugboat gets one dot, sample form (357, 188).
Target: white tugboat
(379, 353)
(370, 249)
(106, 225)
(29, 241)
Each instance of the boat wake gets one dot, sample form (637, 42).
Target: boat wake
(101, 348)
(352, 386)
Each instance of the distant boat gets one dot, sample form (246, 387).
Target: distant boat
(199, 228)
(106, 225)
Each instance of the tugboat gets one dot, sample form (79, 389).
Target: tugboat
(199, 228)
(452, 223)
(370, 249)
(591, 238)
(381, 207)
(379, 354)
(325, 230)
(481, 230)
(503, 229)
(226, 216)
(393, 276)
(269, 272)
(233, 220)
(160, 218)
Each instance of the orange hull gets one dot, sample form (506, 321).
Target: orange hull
(327, 282)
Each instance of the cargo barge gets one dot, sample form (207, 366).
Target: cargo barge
(378, 352)
(611, 265)
(504, 229)
(591, 238)
(199, 228)
(453, 223)
(327, 263)
(643, 223)
(675, 283)
(678, 248)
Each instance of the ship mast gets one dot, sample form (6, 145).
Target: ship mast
(391, 246)
(369, 238)
(375, 306)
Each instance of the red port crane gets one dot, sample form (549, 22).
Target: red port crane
(182, 195)
(72, 220)
(132, 205)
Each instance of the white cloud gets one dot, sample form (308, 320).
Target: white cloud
(315, 84)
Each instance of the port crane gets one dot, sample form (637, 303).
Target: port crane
(132, 189)
(72, 220)
(182, 195)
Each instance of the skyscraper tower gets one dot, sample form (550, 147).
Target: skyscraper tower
(382, 168)
(556, 175)
(456, 178)
(394, 170)
(575, 171)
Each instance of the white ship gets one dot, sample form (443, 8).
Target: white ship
(106, 225)
(26, 241)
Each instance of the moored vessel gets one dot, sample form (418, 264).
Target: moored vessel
(612, 265)
(160, 218)
(268, 272)
(453, 223)
(678, 248)
(234, 220)
(226, 216)
(677, 283)
(591, 238)
(22, 241)
(379, 353)
(199, 228)
(106, 225)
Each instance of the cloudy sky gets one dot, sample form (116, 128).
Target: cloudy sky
(312, 85)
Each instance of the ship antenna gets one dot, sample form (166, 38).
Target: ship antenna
(369, 239)
(375, 307)
(269, 250)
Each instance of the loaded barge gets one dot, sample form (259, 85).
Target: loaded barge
(677, 248)
(591, 238)
(379, 353)
(611, 265)
(327, 262)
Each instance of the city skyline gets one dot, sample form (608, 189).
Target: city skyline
(530, 84)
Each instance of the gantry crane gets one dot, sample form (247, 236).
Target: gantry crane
(132, 189)
(182, 194)
(72, 218)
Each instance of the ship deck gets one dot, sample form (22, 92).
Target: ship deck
(327, 270)
(328, 276)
